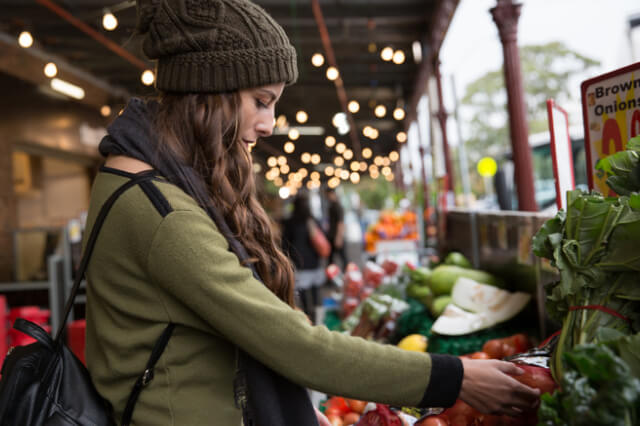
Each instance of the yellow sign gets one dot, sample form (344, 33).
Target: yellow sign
(487, 167)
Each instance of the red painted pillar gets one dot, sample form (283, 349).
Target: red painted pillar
(442, 118)
(506, 15)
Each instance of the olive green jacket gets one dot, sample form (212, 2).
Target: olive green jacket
(159, 258)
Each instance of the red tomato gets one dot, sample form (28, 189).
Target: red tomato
(493, 348)
(356, 405)
(537, 377)
(337, 405)
(519, 341)
(351, 419)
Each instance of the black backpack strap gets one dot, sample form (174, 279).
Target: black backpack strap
(147, 375)
(91, 242)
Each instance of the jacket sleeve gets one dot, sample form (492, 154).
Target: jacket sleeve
(190, 259)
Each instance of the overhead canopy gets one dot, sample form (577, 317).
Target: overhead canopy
(358, 31)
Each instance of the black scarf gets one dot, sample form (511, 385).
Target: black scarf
(265, 397)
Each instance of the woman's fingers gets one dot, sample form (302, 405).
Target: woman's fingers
(489, 387)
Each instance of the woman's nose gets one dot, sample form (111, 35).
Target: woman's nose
(264, 126)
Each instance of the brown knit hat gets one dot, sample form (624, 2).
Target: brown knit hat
(214, 45)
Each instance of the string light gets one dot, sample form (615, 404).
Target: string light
(329, 141)
(355, 166)
(109, 21)
(301, 117)
(147, 77)
(328, 170)
(354, 107)
(394, 156)
(294, 134)
(317, 60)
(50, 70)
(386, 54)
(348, 154)
(338, 161)
(398, 114)
(105, 110)
(289, 147)
(25, 39)
(332, 73)
(380, 111)
(305, 157)
(401, 137)
(272, 161)
(398, 57)
(367, 153)
(315, 159)
(282, 160)
(284, 169)
(340, 148)
(374, 133)
(315, 176)
(363, 166)
(355, 177)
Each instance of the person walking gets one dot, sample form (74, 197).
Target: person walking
(297, 244)
(336, 228)
(194, 248)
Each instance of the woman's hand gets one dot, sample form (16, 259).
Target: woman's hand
(322, 419)
(488, 387)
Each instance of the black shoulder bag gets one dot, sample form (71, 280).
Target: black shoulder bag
(45, 384)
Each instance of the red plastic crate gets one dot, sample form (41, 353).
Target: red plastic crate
(4, 328)
(76, 338)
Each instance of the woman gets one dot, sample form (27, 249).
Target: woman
(296, 242)
(161, 258)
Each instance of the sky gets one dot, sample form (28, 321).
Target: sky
(595, 28)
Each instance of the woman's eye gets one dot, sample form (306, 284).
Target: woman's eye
(261, 104)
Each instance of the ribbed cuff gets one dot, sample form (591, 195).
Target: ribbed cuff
(445, 381)
(226, 71)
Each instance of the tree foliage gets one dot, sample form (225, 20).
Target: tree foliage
(546, 71)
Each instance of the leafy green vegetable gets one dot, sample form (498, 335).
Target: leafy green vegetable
(623, 168)
(596, 389)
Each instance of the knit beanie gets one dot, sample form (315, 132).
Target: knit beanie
(214, 45)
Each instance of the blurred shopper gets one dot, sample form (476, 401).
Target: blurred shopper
(194, 248)
(296, 241)
(336, 228)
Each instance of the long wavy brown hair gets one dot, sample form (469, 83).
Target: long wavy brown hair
(199, 150)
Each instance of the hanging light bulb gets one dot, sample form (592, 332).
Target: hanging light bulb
(398, 57)
(394, 156)
(380, 111)
(398, 113)
(282, 160)
(354, 107)
(367, 153)
(305, 157)
(386, 54)
(330, 141)
(105, 110)
(332, 73)
(302, 117)
(374, 133)
(401, 137)
(348, 154)
(148, 77)
(272, 161)
(328, 170)
(317, 60)
(355, 177)
(340, 148)
(338, 161)
(294, 134)
(50, 70)
(315, 159)
(289, 147)
(25, 39)
(109, 21)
